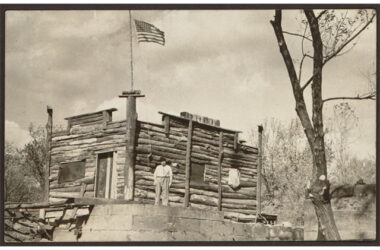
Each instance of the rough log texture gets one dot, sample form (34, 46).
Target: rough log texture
(152, 142)
(188, 163)
(220, 160)
(130, 149)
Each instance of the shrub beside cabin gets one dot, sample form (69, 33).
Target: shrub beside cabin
(96, 158)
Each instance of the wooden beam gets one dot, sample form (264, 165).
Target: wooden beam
(259, 165)
(96, 201)
(49, 130)
(188, 163)
(92, 113)
(216, 127)
(220, 159)
(130, 157)
(82, 191)
(130, 148)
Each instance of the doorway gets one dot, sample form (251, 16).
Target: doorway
(104, 172)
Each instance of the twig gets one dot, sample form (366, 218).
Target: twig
(308, 82)
(371, 96)
(299, 35)
(328, 58)
(300, 70)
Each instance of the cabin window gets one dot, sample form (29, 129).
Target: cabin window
(197, 174)
(71, 171)
(105, 176)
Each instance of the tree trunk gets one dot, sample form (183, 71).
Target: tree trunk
(327, 229)
(320, 194)
(318, 189)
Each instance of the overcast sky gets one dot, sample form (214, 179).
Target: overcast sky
(221, 64)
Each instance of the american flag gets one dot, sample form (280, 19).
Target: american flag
(147, 32)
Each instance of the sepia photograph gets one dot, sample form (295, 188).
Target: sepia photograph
(191, 124)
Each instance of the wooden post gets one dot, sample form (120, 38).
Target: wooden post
(220, 160)
(236, 141)
(188, 163)
(68, 126)
(167, 125)
(259, 165)
(129, 167)
(106, 118)
(49, 129)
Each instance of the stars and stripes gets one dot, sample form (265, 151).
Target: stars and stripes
(147, 32)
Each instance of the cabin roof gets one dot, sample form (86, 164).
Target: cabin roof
(203, 124)
(92, 113)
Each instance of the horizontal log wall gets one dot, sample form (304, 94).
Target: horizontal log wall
(85, 141)
(153, 142)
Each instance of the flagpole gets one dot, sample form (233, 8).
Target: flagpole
(130, 36)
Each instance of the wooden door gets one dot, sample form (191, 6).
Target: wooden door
(104, 175)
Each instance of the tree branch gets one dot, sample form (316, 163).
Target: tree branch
(319, 162)
(371, 96)
(320, 14)
(300, 70)
(295, 34)
(298, 95)
(328, 58)
(308, 82)
(303, 57)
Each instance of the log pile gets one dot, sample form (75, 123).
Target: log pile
(22, 225)
(31, 222)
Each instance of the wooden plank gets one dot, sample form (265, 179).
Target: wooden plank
(92, 113)
(97, 201)
(33, 205)
(207, 126)
(188, 164)
(220, 159)
(82, 191)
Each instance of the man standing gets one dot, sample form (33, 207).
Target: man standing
(162, 180)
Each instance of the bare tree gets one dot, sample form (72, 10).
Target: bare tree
(331, 35)
(347, 169)
(24, 168)
(340, 127)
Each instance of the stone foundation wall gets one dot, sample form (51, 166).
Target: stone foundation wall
(139, 222)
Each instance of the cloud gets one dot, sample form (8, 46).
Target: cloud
(223, 64)
(15, 134)
(146, 112)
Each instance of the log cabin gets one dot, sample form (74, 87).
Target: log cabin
(97, 158)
